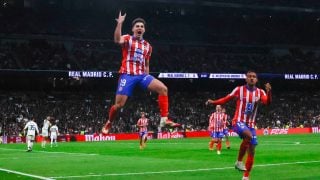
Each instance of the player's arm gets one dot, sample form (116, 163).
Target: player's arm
(148, 56)
(267, 97)
(225, 99)
(25, 129)
(220, 101)
(139, 124)
(37, 129)
(147, 66)
(118, 38)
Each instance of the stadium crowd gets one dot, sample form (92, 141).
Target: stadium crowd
(43, 55)
(85, 112)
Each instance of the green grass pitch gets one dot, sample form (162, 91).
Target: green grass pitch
(277, 157)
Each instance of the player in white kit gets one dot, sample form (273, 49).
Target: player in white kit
(45, 131)
(31, 128)
(54, 132)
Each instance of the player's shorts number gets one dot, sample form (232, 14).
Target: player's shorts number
(123, 82)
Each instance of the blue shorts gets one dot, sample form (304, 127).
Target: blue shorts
(127, 83)
(240, 127)
(216, 134)
(141, 134)
(226, 132)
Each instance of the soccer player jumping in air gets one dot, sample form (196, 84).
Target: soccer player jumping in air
(247, 99)
(134, 71)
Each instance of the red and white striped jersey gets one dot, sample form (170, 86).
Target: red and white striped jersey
(135, 53)
(142, 124)
(225, 121)
(247, 103)
(216, 121)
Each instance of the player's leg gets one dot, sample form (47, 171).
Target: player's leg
(31, 139)
(45, 140)
(120, 102)
(211, 143)
(28, 139)
(145, 138)
(251, 153)
(245, 134)
(51, 140)
(227, 142)
(42, 140)
(226, 135)
(163, 101)
(141, 135)
(125, 87)
(56, 141)
(219, 142)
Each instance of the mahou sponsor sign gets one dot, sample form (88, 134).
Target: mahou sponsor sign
(100, 137)
(168, 135)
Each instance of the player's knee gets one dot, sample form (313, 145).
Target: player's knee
(163, 90)
(119, 105)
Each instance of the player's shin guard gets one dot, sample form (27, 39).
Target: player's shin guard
(249, 164)
(211, 143)
(243, 148)
(163, 103)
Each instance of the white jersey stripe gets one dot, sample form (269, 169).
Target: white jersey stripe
(128, 55)
(240, 105)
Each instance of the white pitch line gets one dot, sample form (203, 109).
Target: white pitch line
(41, 157)
(177, 171)
(25, 174)
(7, 149)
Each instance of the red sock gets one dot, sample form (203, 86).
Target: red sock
(163, 105)
(249, 163)
(219, 146)
(211, 144)
(243, 148)
(112, 113)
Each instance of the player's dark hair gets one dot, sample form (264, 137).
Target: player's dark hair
(251, 71)
(136, 20)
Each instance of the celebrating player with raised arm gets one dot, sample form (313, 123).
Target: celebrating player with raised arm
(247, 99)
(134, 71)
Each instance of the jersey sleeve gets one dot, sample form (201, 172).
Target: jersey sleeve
(227, 98)
(126, 40)
(148, 56)
(266, 98)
